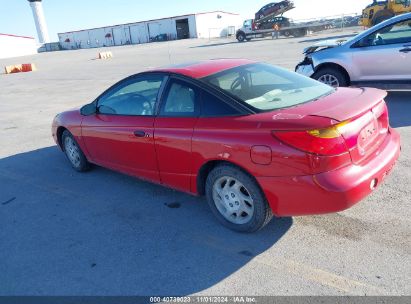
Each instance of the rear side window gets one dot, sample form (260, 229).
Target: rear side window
(267, 88)
(213, 106)
(181, 100)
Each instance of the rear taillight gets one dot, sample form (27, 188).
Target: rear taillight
(328, 141)
(381, 113)
(359, 135)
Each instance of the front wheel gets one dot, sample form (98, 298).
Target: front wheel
(236, 200)
(73, 152)
(241, 37)
(331, 76)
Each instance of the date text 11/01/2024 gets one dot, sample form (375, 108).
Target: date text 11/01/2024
(203, 299)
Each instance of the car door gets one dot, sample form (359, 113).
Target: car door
(120, 135)
(385, 54)
(173, 133)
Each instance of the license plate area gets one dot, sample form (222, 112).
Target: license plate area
(367, 136)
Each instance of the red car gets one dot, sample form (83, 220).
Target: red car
(274, 8)
(255, 139)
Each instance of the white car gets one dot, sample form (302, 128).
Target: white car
(382, 54)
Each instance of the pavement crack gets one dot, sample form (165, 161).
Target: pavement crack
(8, 201)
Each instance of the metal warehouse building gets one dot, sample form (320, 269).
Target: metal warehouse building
(201, 25)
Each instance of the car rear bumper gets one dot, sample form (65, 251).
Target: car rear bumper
(331, 191)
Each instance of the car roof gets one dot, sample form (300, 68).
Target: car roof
(200, 69)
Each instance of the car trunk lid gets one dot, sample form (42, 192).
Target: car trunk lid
(359, 115)
(344, 104)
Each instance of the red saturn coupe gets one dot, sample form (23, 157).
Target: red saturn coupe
(255, 139)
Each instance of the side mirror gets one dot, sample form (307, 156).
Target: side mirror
(89, 109)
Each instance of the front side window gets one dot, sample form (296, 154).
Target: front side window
(181, 100)
(135, 97)
(247, 23)
(267, 88)
(399, 33)
(371, 14)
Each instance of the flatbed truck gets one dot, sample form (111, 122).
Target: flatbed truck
(250, 30)
(265, 26)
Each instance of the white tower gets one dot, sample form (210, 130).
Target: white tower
(40, 21)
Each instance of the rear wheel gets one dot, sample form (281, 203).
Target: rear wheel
(73, 152)
(236, 200)
(331, 76)
(299, 33)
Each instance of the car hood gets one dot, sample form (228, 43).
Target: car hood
(322, 45)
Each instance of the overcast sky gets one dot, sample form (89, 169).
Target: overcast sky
(67, 15)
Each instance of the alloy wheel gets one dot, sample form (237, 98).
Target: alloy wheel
(329, 79)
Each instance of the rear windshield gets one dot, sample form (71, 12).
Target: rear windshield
(266, 87)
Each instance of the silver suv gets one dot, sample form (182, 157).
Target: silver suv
(382, 54)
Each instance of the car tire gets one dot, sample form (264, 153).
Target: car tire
(299, 33)
(74, 153)
(332, 77)
(241, 37)
(244, 195)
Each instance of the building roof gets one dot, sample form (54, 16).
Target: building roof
(205, 68)
(16, 36)
(151, 20)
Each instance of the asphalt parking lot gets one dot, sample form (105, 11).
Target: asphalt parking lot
(103, 233)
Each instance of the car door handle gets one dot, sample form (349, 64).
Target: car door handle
(406, 50)
(139, 133)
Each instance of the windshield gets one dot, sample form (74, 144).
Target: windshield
(267, 88)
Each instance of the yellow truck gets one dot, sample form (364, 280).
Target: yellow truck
(378, 11)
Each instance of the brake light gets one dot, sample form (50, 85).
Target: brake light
(327, 141)
(381, 113)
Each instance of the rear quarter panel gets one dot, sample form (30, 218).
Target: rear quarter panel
(231, 140)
